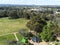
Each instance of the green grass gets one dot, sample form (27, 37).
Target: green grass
(10, 37)
(19, 36)
(5, 39)
(11, 25)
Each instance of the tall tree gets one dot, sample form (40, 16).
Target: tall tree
(36, 23)
(13, 14)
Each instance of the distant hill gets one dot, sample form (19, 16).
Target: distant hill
(1, 5)
(49, 6)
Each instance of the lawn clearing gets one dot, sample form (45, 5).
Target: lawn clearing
(5, 39)
(19, 36)
(11, 25)
(8, 26)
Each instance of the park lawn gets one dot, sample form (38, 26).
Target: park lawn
(12, 25)
(6, 38)
(19, 36)
(9, 26)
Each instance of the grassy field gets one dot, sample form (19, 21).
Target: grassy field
(19, 36)
(5, 39)
(11, 25)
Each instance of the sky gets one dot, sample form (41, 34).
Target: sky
(31, 2)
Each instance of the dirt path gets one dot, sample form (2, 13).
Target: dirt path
(14, 33)
(16, 37)
(41, 43)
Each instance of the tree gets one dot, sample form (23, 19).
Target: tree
(20, 13)
(13, 14)
(36, 23)
(47, 34)
(3, 13)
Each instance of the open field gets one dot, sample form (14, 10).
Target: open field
(5, 39)
(19, 36)
(11, 25)
(8, 27)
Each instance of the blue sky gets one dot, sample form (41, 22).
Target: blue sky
(31, 2)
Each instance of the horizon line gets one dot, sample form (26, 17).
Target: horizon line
(29, 4)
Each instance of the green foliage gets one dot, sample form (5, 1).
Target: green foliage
(39, 21)
(47, 34)
(57, 43)
(36, 23)
(3, 13)
(13, 14)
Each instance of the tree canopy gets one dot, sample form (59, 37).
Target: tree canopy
(36, 23)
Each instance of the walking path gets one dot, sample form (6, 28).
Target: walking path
(16, 37)
(8, 33)
(41, 43)
(12, 33)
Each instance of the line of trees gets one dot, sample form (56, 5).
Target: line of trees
(19, 13)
